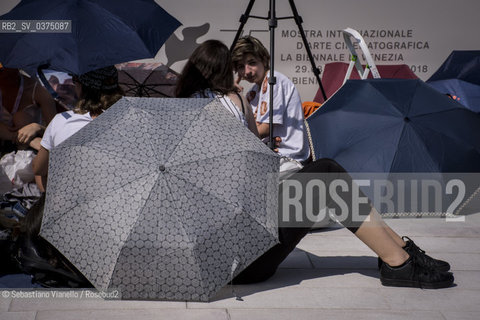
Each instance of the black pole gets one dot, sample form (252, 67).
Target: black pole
(272, 24)
(243, 20)
(299, 21)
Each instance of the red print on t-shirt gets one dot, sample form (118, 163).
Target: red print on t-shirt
(265, 85)
(263, 108)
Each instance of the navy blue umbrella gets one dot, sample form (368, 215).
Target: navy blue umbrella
(104, 32)
(395, 125)
(459, 77)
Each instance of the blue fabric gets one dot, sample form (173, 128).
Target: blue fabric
(459, 76)
(13, 281)
(104, 32)
(395, 125)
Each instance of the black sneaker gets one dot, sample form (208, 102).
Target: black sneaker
(414, 274)
(427, 261)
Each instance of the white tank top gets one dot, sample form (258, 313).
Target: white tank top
(226, 102)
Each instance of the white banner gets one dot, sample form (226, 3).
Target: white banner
(418, 33)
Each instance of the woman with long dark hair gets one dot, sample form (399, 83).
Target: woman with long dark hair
(209, 74)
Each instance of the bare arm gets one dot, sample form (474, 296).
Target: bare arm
(40, 162)
(35, 143)
(248, 111)
(264, 132)
(237, 84)
(27, 130)
(250, 118)
(40, 168)
(28, 133)
(263, 129)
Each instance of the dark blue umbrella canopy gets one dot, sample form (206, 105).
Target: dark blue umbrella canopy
(459, 76)
(395, 125)
(104, 32)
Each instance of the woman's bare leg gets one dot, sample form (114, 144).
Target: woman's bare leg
(375, 233)
(392, 233)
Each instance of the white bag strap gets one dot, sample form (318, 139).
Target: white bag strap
(349, 33)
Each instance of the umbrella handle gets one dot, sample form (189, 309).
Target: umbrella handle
(45, 82)
(347, 33)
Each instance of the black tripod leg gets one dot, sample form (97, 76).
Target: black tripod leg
(243, 20)
(316, 71)
(272, 24)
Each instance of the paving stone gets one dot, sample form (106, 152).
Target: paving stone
(129, 314)
(315, 314)
(30, 304)
(17, 315)
(467, 279)
(450, 299)
(4, 303)
(298, 259)
(341, 278)
(451, 229)
(333, 242)
(306, 278)
(435, 227)
(343, 260)
(448, 244)
(460, 261)
(322, 278)
(461, 315)
(349, 243)
(300, 297)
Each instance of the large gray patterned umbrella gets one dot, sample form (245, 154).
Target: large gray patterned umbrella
(162, 198)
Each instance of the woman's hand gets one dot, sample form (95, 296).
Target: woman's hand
(237, 84)
(28, 133)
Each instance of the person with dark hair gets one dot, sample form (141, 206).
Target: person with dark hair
(97, 91)
(208, 73)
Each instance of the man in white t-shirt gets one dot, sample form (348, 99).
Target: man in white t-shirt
(251, 62)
